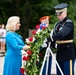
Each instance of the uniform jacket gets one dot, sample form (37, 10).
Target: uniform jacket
(64, 30)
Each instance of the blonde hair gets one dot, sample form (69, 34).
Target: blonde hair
(11, 23)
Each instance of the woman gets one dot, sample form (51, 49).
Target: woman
(14, 43)
(0, 35)
(3, 39)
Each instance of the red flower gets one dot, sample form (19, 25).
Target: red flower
(37, 26)
(26, 58)
(30, 39)
(43, 27)
(22, 70)
(29, 52)
(28, 44)
(37, 62)
(34, 32)
(40, 54)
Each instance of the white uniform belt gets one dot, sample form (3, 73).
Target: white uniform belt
(64, 41)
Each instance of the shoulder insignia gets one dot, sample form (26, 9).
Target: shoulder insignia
(69, 21)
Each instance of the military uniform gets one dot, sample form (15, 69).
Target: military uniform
(64, 31)
(63, 35)
(45, 22)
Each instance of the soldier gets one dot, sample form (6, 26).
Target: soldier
(45, 22)
(63, 36)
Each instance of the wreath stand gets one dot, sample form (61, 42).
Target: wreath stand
(46, 58)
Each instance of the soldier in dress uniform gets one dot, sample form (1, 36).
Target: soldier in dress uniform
(45, 22)
(63, 36)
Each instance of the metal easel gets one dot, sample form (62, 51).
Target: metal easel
(46, 58)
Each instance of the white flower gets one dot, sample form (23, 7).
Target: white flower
(24, 52)
(30, 40)
(27, 40)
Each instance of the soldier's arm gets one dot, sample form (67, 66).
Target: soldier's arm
(68, 27)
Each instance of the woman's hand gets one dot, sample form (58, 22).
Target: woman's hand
(26, 47)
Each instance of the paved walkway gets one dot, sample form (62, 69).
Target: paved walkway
(1, 63)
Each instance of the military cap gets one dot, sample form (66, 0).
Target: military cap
(61, 7)
(44, 18)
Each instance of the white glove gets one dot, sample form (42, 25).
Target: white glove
(55, 45)
(26, 47)
(24, 52)
(51, 34)
(44, 45)
(45, 40)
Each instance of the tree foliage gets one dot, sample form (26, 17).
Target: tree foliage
(31, 10)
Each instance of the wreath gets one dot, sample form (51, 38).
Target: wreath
(31, 62)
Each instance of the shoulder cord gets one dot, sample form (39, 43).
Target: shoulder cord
(56, 25)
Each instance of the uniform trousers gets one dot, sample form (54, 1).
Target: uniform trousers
(67, 67)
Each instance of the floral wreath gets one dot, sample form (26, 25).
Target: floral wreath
(31, 61)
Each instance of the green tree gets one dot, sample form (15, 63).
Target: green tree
(31, 10)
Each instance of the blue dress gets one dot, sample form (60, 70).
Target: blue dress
(13, 61)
